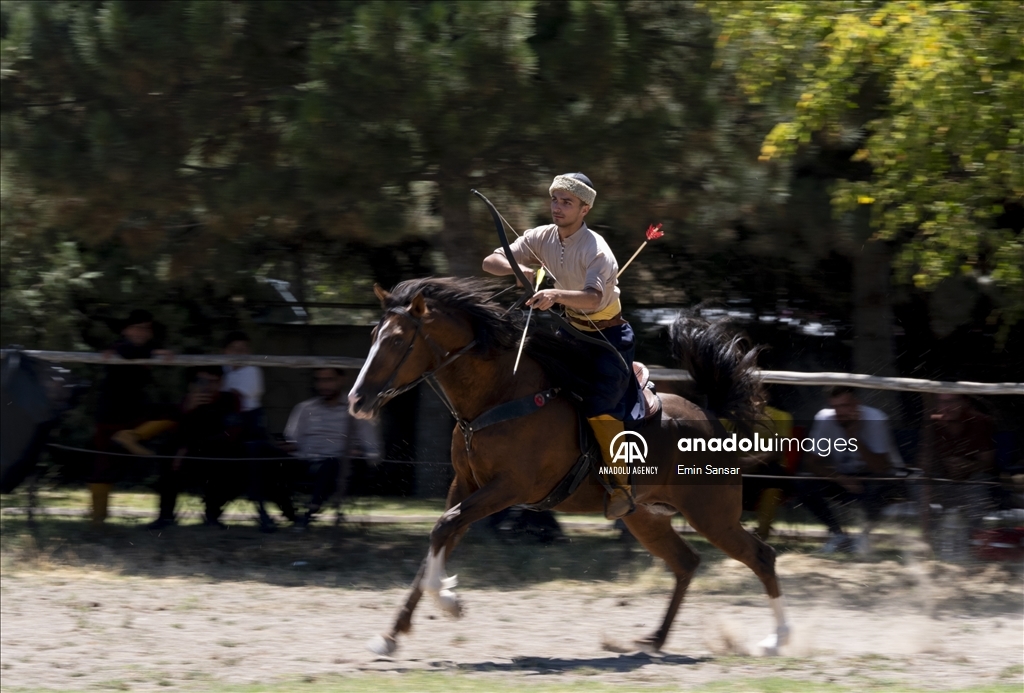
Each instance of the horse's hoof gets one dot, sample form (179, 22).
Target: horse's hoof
(382, 645)
(648, 645)
(770, 645)
(449, 603)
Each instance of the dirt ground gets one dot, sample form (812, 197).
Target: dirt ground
(193, 608)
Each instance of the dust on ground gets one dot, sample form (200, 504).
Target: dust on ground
(191, 607)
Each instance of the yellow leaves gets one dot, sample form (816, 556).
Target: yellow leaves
(918, 61)
(767, 152)
(860, 155)
(905, 19)
(865, 200)
(877, 19)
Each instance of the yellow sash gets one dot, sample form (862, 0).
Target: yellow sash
(610, 312)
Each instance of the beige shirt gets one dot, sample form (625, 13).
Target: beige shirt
(320, 430)
(582, 261)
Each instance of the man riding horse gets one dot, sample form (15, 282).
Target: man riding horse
(584, 271)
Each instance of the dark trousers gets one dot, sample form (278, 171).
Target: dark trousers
(611, 385)
(221, 480)
(329, 476)
(817, 494)
(270, 479)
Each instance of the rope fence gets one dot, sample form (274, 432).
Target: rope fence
(872, 382)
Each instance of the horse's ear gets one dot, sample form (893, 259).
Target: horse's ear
(418, 307)
(382, 294)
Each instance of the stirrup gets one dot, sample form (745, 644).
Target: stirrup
(620, 512)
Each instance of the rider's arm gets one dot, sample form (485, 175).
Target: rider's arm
(585, 301)
(498, 265)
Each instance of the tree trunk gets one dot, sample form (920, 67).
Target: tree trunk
(873, 348)
(460, 246)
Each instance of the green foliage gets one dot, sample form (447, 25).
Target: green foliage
(929, 95)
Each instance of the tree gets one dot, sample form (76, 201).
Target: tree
(929, 97)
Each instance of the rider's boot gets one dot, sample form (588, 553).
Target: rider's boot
(619, 502)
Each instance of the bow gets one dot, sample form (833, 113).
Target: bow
(528, 290)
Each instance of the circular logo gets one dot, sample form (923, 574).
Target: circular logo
(624, 447)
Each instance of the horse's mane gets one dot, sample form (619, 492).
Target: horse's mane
(494, 328)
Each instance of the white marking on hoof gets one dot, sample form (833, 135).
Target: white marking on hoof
(770, 646)
(780, 638)
(440, 587)
(382, 645)
(449, 603)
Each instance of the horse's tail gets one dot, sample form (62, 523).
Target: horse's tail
(723, 366)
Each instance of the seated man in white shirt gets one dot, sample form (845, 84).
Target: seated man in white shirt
(874, 453)
(267, 480)
(247, 383)
(321, 431)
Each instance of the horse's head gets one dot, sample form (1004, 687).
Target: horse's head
(401, 352)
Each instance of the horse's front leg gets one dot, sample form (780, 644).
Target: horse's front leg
(446, 533)
(430, 577)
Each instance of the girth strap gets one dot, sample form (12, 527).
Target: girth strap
(513, 410)
(506, 412)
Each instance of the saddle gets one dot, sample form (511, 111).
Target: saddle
(590, 457)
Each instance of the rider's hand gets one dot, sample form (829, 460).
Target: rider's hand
(530, 274)
(544, 299)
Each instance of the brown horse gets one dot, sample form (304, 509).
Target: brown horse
(451, 332)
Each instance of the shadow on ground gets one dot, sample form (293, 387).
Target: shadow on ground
(556, 665)
(359, 557)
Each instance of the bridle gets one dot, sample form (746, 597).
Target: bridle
(445, 358)
(503, 412)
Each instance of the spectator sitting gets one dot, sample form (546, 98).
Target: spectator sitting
(876, 455)
(266, 477)
(247, 383)
(962, 447)
(210, 426)
(765, 495)
(124, 403)
(321, 431)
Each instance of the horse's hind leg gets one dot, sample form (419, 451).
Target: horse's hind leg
(740, 544)
(656, 534)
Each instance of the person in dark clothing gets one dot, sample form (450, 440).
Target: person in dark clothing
(210, 425)
(123, 403)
